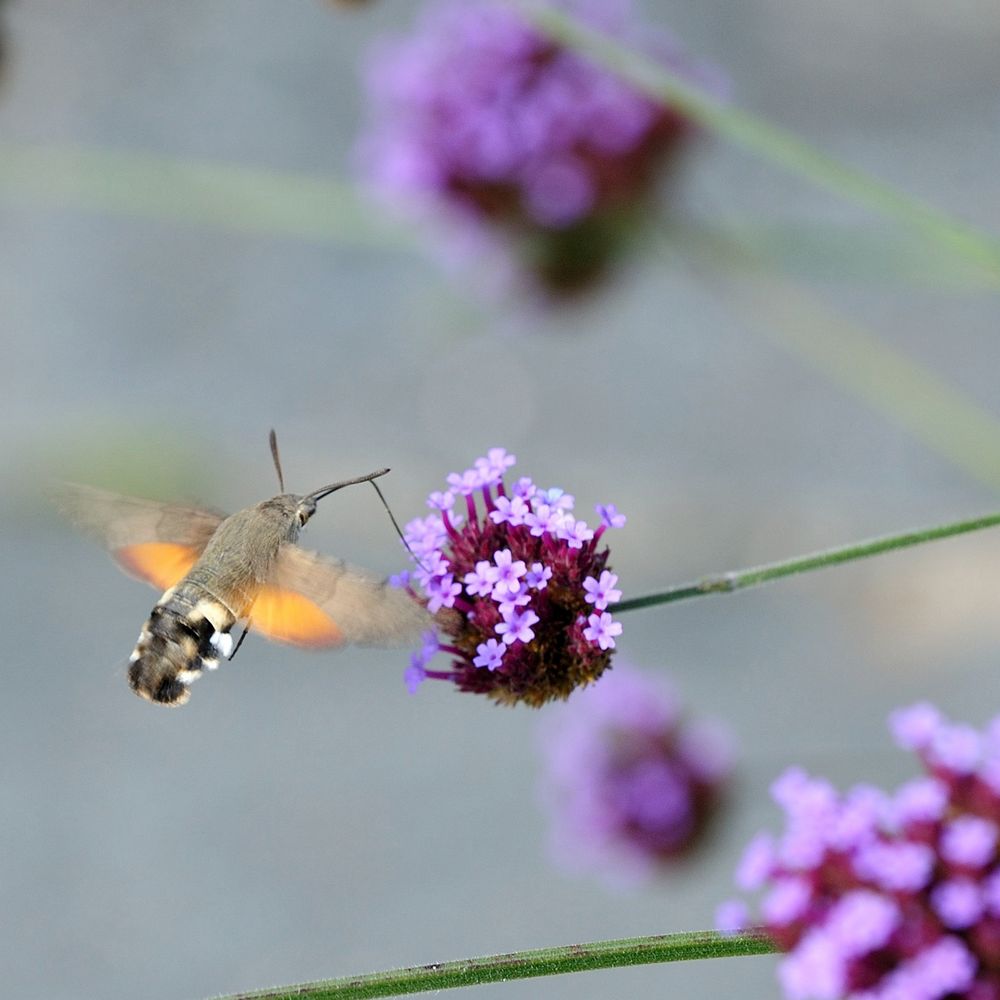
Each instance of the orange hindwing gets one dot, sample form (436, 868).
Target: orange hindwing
(163, 564)
(287, 616)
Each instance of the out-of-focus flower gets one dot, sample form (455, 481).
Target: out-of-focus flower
(511, 576)
(629, 784)
(888, 897)
(480, 115)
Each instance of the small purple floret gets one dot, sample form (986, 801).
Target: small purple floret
(512, 510)
(511, 601)
(786, 901)
(913, 728)
(959, 903)
(757, 863)
(601, 630)
(815, 970)
(441, 501)
(862, 921)
(442, 591)
(490, 654)
(602, 592)
(539, 575)
(480, 582)
(969, 840)
(516, 626)
(610, 518)
(958, 748)
(574, 532)
(415, 674)
(508, 574)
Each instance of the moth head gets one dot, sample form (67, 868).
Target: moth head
(287, 511)
(306, 506)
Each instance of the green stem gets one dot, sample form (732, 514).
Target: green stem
(912, 395)
(724, 583)
(524, 965)
(768, 141)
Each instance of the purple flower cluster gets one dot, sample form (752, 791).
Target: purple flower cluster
(628, 783)
(480, 114)
(518, 585)
(887, 897)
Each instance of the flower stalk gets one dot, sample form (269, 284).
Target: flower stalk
(523, 965)
(724, 583)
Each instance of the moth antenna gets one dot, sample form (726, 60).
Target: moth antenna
(396, 526)
(273, 439)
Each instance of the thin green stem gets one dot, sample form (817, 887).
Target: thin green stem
(524, 965)
(768, 141)
(724, 583)
(912, 395)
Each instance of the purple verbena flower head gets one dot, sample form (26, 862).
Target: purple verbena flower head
(479, 114)
(629, 784)
(519, 586)
(895, 896)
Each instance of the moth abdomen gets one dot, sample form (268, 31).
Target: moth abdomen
(181, 638)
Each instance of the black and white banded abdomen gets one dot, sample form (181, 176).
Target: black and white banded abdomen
(188, 631)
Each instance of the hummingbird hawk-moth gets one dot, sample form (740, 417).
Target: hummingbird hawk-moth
(218, 571)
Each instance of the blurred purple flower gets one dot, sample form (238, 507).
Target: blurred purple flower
(628, 783)
(507, 579)
(898, 895)
(481, 115)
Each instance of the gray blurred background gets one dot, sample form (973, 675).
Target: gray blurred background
(304, 816)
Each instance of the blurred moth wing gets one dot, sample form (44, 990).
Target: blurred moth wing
(152, 541)
(359, 608)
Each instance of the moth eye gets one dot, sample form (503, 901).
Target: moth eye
(305, 511)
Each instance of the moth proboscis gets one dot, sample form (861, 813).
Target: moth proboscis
(217, 571)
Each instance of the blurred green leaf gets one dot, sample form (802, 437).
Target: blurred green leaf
(328, 210)
(206, 194)
(913, 396)
(823, 251)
